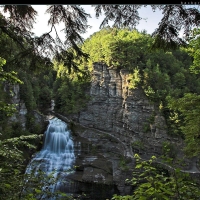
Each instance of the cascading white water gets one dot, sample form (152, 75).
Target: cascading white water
(57, 155)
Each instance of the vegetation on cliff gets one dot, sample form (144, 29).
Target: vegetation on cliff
(169, 78)
(163, 75)
(151, 181)
(70, 89)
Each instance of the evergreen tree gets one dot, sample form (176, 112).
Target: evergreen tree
(22, 17)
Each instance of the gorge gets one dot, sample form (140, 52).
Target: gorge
(82, 131)
(107, 134)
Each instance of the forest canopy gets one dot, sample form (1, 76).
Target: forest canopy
(18, 26)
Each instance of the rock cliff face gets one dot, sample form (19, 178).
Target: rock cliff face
(116, 123)
(20, 115)
(124, 112)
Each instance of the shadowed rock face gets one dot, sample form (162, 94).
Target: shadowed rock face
(115, 125)
(114, 119)
(98, 157)
(116, 108)
(21, 110)
(20, 105)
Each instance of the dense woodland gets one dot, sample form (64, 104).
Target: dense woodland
(169, 77)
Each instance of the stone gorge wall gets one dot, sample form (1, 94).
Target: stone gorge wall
(20, 115)
(114, 125)
(21, 110)
(122, 111)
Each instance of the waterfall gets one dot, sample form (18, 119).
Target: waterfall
(56, 158)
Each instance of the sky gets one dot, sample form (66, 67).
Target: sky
(149, 22)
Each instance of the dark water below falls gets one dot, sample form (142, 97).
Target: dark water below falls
(54, 162)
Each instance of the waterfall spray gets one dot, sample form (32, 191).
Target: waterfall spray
(55, 160)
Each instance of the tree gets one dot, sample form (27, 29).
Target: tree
(117, 47)
(186, 109)
(175, 18)
(11, 77)
(189, 108)
(22, 17)
(69, 90)
(194, 50)
(151, 181)
(12, 160)
(20, 22)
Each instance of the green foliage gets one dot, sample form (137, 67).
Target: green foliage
(168, 151)
(12, 164)
(123, 163)
(44, 99)
(31, 125)
(189, 109)
(194, 50)
(7, 76)
(117, 47)
(6, 109)
(138, 145)
(147, 125)
(184, 111)
(135, 78)
(26, 92)
(31, 69)
(161, 74)
(16, 142)
(70, 90)
(13, 129)
(152, 182)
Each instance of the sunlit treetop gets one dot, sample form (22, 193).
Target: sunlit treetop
(21, 18)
